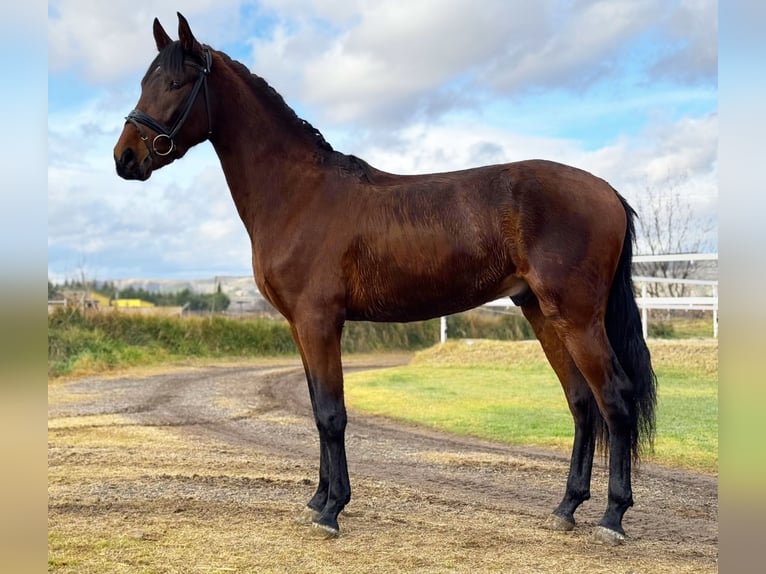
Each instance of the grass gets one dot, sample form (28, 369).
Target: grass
(505, 391)
(163, 499)
(502, 391)
(123, 497)
(137, 499)
(679, 327)
(89, 343)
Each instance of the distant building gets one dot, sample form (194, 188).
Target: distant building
(97, 301)
(130, 303)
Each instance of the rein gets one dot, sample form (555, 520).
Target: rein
(139, 118)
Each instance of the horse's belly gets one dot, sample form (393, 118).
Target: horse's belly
(417, 300)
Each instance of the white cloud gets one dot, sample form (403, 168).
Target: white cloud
(400, 53)
(571, 47)
(391, 59)
(685, 148)
(388, 54)
(108, 40)
(693, 28)
(449, 146)
(336, 12)
(412, 87)
(182, 217)
(681, 153)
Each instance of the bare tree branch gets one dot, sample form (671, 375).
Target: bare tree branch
(668, 224)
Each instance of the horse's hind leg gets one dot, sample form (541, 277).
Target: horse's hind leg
(587, 343)
(587, 419)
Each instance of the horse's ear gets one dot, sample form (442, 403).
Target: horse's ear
(188, 41)
(160, 36)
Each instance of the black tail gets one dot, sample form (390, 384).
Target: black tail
(623, 327)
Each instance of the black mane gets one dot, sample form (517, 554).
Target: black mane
(172, 59)
(277, 101)
(347, 163)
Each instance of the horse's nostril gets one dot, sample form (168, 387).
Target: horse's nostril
(128, 157)
(127, 164)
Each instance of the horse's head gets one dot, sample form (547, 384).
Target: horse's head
(173, 112)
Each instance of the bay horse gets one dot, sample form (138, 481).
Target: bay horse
(335, 240)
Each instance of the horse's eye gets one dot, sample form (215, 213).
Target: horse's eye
(175, 85)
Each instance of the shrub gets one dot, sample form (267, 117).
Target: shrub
(91, 341)
(660, 330)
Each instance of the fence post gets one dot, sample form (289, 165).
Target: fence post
(443, 329)
(644, 311)
(715, 312)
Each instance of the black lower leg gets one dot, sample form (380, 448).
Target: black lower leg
(317, 331)
(339, 492)
(620, 492)
(578, 481)
(617, 398)
(318, 501)
(331, 422)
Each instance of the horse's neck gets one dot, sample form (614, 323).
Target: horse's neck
(257, 153)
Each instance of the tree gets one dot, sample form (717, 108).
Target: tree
(668, 224)
(53, 291)
(219, 301)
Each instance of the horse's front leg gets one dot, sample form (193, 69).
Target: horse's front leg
(318, 339)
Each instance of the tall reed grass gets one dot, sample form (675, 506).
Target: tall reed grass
(82, 342)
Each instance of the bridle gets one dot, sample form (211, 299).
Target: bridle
(139, 118)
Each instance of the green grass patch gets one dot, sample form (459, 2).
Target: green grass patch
(507, 392)
(680, 327)
(81, 343)
(84, 343)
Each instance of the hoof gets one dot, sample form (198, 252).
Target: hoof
(604, 535)
(555, 522)
(307, 516)
(323, 532)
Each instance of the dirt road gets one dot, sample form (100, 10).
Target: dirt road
(204, 469)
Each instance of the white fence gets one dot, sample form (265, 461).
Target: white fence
(703, 303)
(698, 303)
(645, 302)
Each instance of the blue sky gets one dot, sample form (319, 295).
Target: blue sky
(624, 89)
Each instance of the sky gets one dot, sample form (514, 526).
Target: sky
(625, 89)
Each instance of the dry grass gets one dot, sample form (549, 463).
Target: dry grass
(137, 500)
(160, 499)
(507, 392)
(489, 461)
(481, 352)
(697, 354)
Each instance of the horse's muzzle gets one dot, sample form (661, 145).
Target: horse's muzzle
(130, 167)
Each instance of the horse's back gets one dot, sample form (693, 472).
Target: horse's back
(529, 185)
(440, 243)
